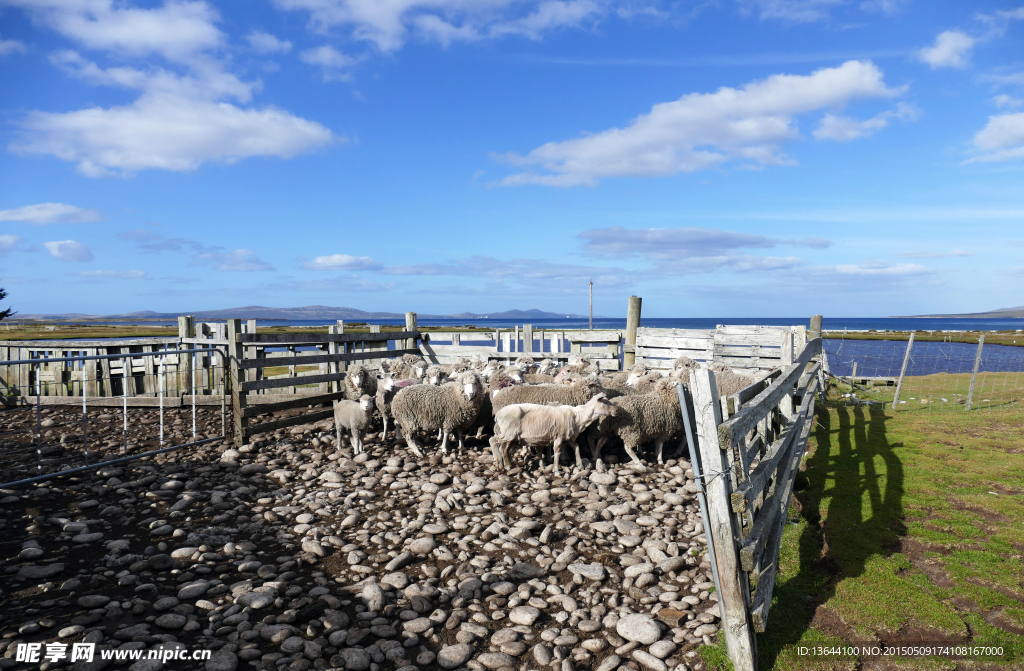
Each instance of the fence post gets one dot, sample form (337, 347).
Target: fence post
(903, 371)
(632, 323)
(815, 331)
(186, 329)
(974, 375)
(528, 338)
(410, 325)
(739, 638)
(236, 352)
(786, 404)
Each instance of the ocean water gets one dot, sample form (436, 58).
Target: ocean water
(884, 358)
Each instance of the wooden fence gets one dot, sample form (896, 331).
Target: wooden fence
(756, 348)
(604, 347)
(749, 462)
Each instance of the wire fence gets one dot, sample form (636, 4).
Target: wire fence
(45, 434)
(928, 375)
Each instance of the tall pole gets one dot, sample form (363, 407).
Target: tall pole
(903, 372)
(632, 323)
(591, 306)
(974, 374)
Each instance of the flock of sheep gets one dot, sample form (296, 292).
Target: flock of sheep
(522, 405)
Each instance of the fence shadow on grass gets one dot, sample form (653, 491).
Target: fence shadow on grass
(856, 478)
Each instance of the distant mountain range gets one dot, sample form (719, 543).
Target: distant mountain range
(1001, 313)
(309, 312)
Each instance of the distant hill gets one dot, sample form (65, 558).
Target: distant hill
(309, 312)
(1001, 313)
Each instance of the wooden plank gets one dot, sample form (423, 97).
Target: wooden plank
(674, 343)
(264, 408)
(290, 381)
(632, 324)
(671, 354)
(743, 329)
(759, 407)
(528, 338)
(739, 640)
(239, 400)
(280, 339)
(747, 351)
(762, 601)
(740, 398)
(308, 418)
(594, 336)
(770, 339)
(274, 359)
(675, 333)
(82, 344)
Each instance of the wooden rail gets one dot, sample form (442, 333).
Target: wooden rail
(750, 461)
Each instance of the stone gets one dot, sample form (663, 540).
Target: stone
(648, 661)
(638, 570)
(277, 633)
(73, 630)
(606, 479)
(40, 572)
(541, 654)
(610, 663)
(171, 621)
(672, 564)
(255, 600)
(401, 561)
(373, 595)
(639, 628)
(165, 603)
(662, 649)
(222, 660)
(453, 656)
(671, 616)
(418, 626)
(705, 630)
(160, 562)
(496, 660)
(525, 615)
(292, 644)
(356, 659)
(313, 547)
(93, 601)
(423, 546)
(193, 590)
(593, 571)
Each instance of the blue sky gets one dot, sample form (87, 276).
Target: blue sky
(719, 158)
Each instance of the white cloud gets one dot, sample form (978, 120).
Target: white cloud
(875, 267)
(50, 213)
(668, 243)
(884, 6)
(936, 255)
(330, 59)
(265, 43)
(8, 47)
(68, 250)
(843, 128)
(240, 260)
(342, 262)
(176, 31)
(532, 272)
(113, 275)
(169, 133)
(388, 25)
(952, 49)
(180, 119)
(1002, 138)
(702, 130)
(7, 243)
(797, 11)
(1004, 101)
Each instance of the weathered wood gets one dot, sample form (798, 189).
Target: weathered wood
(236, 354)
(308, 418)
(974, 373)
(410, 325)
(815, 330)
(528, 338)
(786, 404)
(264, 408)
(768, 399)
(673, 343)
(290, 381)
(186, 329)
(632, 324)
(290, 359)
(737, 400)
(903, 371)
(282, 339)
(761, 603)
(706, 334)
(739, 640)
(80, 344)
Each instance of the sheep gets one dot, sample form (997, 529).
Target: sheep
(386, 390)
(355, 417)
(460, 366)
(546, 366)
(535, 425)
(642, 418)
(727, 381)
(578, 366)
(450, 407)
(538, 378)
(577, 393)
(359, 381)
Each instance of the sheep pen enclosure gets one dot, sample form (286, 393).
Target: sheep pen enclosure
(233, 521)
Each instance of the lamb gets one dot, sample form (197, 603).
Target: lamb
(435, 376)
(451, 407)
(577, 393)
(577, 366)
(536, 425)
(642, 418)
(355, 417)
(409, 367)
(359, 381)
(538, 378)
(386, 390)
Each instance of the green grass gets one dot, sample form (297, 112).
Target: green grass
(907, 523)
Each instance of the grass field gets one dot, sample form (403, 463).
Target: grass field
(906, 527)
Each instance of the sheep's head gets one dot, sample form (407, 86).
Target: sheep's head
(387, 383)
(545, 366)
(469, 384)
(638, 371)
(419, 369)
(411, 359)
(433, 375)
(602, 407)
(515, 375)
(357, 374)
(366, 402)
(490, 369)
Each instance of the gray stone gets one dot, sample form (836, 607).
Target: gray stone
(454, 656)
(165, 603)
(313, 547)
(222, 660)
(607, 479)
(496, 660)
(418, 626)
(161, 562)
(705, 630)
(541, 654)
(525, 615)
(648, 661)
(171, 621)
(292, 644)
(40, 572)
(593, 571)
(639, 628)
(672, 564)
(193, 590)
(373, 595)
(422, 546)
(356, 659)
(93, 601)
(638, 570)
(401, 561)
(610, 663)
(256, 600)
(662, 649)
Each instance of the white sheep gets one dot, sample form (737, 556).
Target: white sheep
(451, 407)
(536, 425)
(355, 417)
(359, 381)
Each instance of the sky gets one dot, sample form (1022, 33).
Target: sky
(719, 158)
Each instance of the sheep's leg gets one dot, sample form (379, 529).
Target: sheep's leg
(636, 460)
(384, 436)
(440, 433)
(595, 449)
(579, 461)
(458, 432)
(444, 442)
(479, 432)
(357, 439)
(411, 442)
(660, 444)
(557, 449)
(337, 430)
